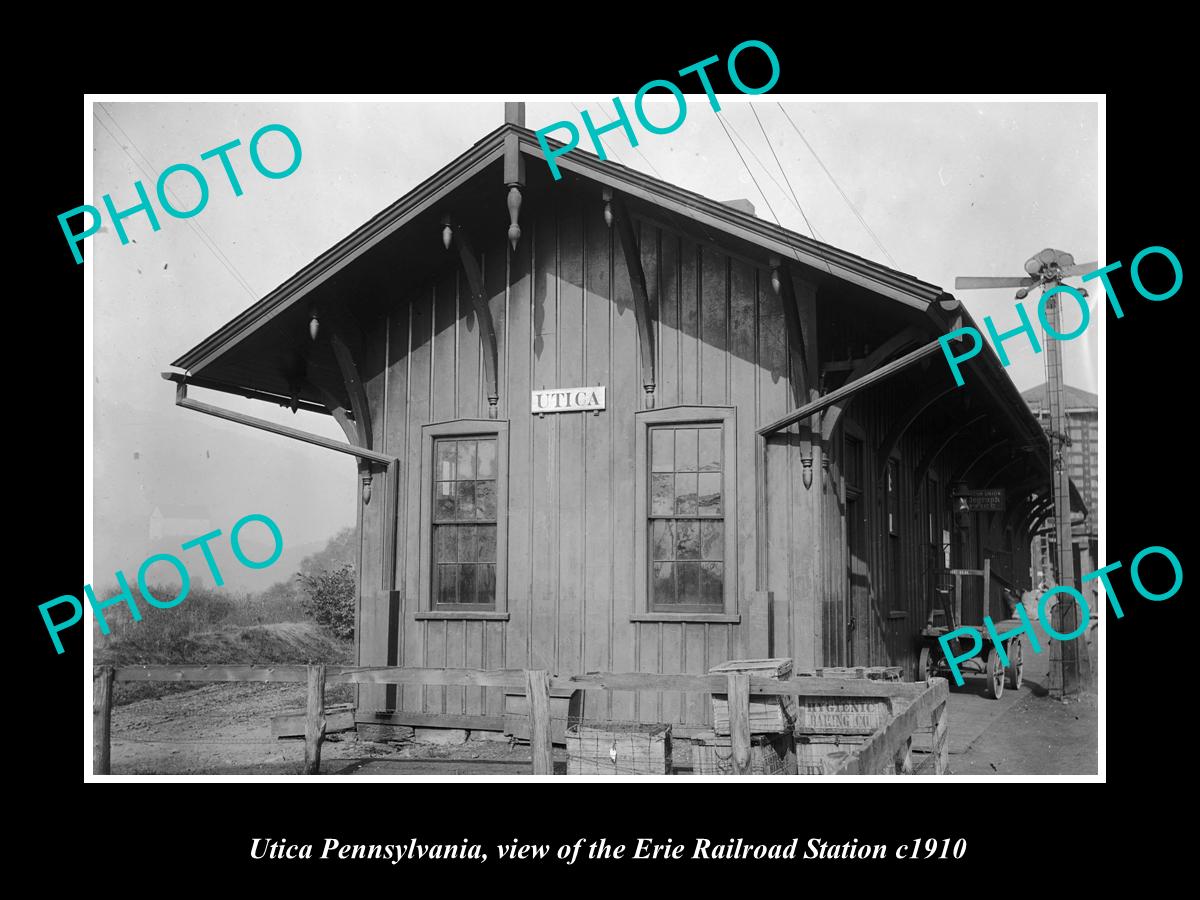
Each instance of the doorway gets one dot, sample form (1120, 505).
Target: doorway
(858, 571)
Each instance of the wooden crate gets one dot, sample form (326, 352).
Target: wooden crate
(874, 673)
(618, 748)
(813, 749)
(834, 715)
(770, 754)
(821, 715)
(769, 714)
(566, 708)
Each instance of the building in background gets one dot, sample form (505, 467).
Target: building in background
(184, 522)
(1082, 414)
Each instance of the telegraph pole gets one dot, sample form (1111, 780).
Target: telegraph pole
(1047, 269)
(1065, 677)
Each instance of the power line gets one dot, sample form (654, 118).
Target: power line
(149, 171)
(816, 234)
(206, 238)
(720, 119)
(782, 171)
(853, 209)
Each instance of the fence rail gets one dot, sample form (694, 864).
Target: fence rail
(887, 751)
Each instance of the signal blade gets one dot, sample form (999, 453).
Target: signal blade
(968, 282)
(1081, 268)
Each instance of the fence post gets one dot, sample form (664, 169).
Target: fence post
(941, 750)
(537, 692)
(739, 721)
(102, 686)
(314, 722)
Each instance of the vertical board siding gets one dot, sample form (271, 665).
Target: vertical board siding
(562, 306)
(563, 310)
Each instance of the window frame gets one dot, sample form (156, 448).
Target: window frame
(684, 416)
(461, 429)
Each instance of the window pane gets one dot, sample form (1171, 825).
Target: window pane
(485, 500)
(486, 467)
(663, 585)
(485, 584)
(712, 583)
(485, 543)
(712, 540)
(688, 574)
(662, 495)
(445, 461)
(465, 499)
(710, 494)
(445, 543)
(445, 501)
(445, 589)
(685, 450)
(466, 584)
(687, 539)
(662, 539)
(710, 449)
(466, 459)
(685, 494)
(662, 454)
(467, 549)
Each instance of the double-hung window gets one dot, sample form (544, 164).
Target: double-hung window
(686, 523)
(464, 519)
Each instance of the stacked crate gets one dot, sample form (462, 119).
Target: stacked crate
(618, 748)
(829, 725)
(772, 746)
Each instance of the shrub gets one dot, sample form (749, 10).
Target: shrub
(330, 600)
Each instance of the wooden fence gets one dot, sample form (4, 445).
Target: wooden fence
(888, 751)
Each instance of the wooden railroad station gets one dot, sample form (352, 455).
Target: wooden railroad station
(608, 425)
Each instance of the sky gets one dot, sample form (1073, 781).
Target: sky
(958, 188)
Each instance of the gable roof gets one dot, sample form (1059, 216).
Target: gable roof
(857, 270)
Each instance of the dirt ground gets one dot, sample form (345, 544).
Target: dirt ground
(1038, 736)
(225, 729)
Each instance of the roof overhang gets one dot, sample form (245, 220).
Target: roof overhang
(711, 214)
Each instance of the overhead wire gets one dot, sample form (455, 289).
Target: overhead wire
(783, 172)
(203, 232)
(816, 234)
(849, 203)
(149, 170)
(671, 215)
(761, 192)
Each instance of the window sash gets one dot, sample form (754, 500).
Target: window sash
(689, 459)
(464, 544)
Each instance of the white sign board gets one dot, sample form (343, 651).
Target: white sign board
(575, 399)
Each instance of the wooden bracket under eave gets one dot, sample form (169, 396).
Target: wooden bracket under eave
(781, 284)
(483, 315)
(346, 339)
(643, 307)
(873, 360)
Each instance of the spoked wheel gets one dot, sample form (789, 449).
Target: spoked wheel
(926, 665)
(995, 673)
(1015, 665)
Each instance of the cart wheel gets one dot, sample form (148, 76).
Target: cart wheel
(1015, 665)
(926, 667)
(995, 673)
